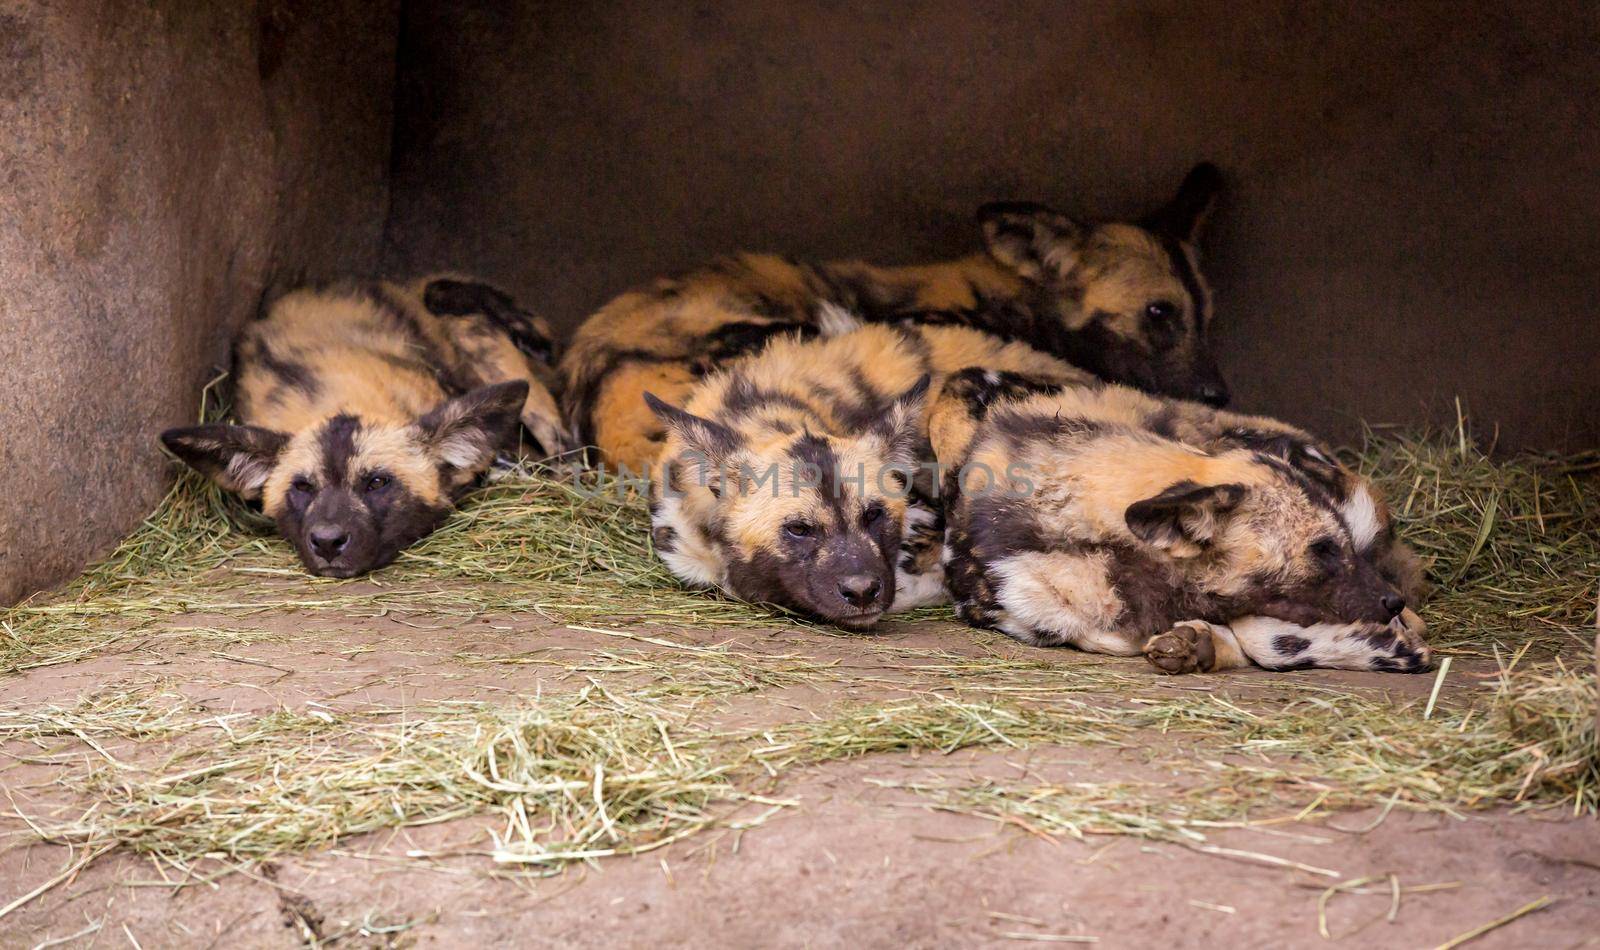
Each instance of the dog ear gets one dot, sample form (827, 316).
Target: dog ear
(465, 434)
(713, 442)
(1030, 238)
(239, 458)
(1183, 519)
(710, 438)
(1186, 213)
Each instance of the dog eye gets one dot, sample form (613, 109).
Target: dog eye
(1161, 310)
(1325, 551)
(376, 482)
(872, 515)
(302, 486)
(798, 529)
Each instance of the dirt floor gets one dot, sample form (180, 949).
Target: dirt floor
(852, 856)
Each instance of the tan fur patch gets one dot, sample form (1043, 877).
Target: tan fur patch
(347, 356)
(376, 353)
(1121, 269)
(664, 329)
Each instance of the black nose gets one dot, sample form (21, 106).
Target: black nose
(1393, 603)
(1214, 394)
(860, 590)
(328, 540)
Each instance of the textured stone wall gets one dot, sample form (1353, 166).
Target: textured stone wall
(1416, 186)
(162, 164)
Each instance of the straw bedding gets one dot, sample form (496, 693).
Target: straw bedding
(631, 759)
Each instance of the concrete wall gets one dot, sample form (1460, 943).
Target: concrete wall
(162, 163)
(1416, 185)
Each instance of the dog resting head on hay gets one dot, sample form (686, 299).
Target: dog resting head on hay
(367, 409)
(1106, 519)
(797, 476)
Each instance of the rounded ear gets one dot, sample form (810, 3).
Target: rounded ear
(712, 440)
(465, 434)
(1029, 237)
(1183, 519)
(1183, 216)
(239, 458)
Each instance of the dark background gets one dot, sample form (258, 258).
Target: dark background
(1415, 187)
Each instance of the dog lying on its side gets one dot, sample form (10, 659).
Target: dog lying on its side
(1120, 523)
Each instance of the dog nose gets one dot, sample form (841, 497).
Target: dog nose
(860, 590)
(328, 540)
(1393, 603)
(1215, 394)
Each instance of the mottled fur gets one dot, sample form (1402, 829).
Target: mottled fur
(1125, 302)
(368, 408)
(1104, 518)
(793, 476)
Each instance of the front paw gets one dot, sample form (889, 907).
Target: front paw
(1399, 646)
(1186, 648)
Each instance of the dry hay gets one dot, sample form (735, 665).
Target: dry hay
(1515, 545)
(595, 773)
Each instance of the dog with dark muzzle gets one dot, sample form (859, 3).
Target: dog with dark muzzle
(1103, 518)
(1125, 301)
(797, 476)
(367, 409)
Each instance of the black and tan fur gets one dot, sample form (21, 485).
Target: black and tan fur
(795, 476)
(1103, 518)
(366, 409)
(1125, 302)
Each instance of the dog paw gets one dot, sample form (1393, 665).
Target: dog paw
(1399, 646)
(1186, 648)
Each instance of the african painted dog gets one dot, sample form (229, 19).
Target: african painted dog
(1123, 301)
(792, 476)
(481, 336)
(1103, 518)
(367, 409)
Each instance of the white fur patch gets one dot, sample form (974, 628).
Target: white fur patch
(1276, 643)
(465, 449)
(690, 560)
(1361, 514)
(1062, 256)
(247, 473)
(1264, 638)
(919, 590)
(918, 515)
(834, 320)
(1320, 456)
(1055, 598)
(694, 567)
